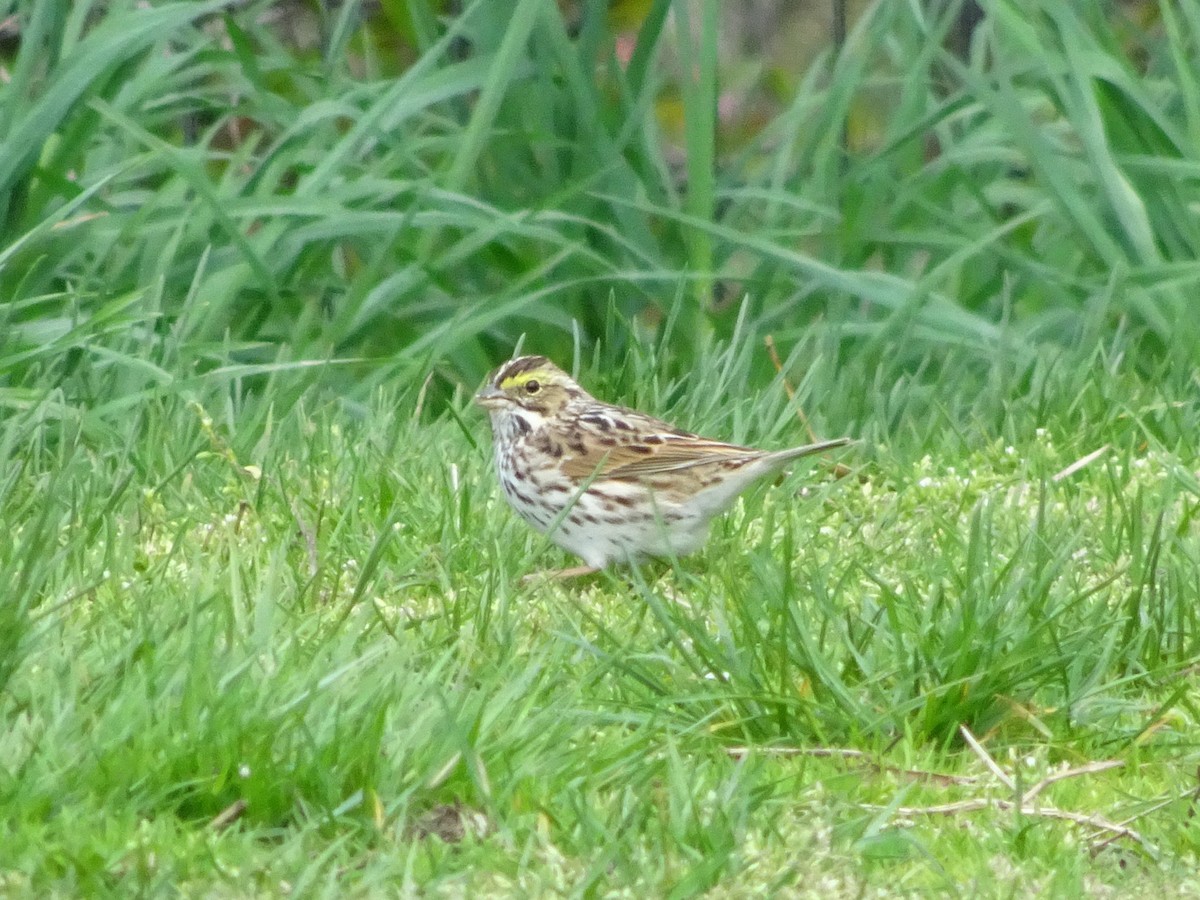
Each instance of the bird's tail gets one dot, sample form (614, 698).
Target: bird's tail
(786, 456)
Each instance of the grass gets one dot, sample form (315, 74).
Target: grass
(263, 625)
(413, 190)
(300, 657)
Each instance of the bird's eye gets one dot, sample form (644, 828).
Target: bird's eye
(532, 387)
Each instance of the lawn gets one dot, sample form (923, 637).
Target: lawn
(312, 661)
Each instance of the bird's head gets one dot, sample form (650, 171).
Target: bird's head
(530, 384)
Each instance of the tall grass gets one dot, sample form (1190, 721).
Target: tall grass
(405, 190)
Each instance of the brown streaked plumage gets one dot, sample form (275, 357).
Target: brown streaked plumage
(607, 483)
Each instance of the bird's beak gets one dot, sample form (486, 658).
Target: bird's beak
(490, 397)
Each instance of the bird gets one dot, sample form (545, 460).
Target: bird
(607, 483)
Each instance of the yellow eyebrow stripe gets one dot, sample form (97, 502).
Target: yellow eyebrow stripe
(517, 380)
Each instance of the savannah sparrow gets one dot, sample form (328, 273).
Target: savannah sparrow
(607, 483)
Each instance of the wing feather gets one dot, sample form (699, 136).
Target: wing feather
(642, 454)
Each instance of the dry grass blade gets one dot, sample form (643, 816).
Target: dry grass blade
(840, 470)
(1080, 463)
(991, 764)
(1115, 830)
(1090, 768)
(228, 815)
(867, 758)
(769, 340)
(1098, 845)
(1024, 805)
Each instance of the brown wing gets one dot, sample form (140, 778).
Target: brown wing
(649, 447)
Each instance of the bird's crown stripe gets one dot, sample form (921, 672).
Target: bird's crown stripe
(518, 367)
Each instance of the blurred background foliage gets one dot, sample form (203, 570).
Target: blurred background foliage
(363, 192)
